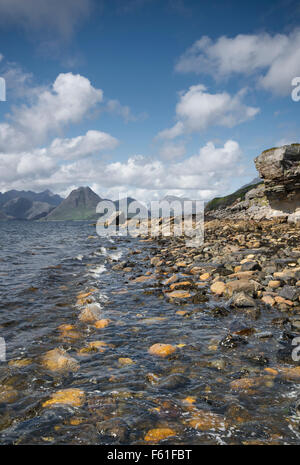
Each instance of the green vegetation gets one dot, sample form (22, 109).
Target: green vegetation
(223, 202)
(78, 214)
(269, 150)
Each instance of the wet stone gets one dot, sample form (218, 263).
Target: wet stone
(175, 381)
(289, 292)
(113, 430)
(232, 341)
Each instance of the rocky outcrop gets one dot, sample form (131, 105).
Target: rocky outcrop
(279, 194)
(280, 170)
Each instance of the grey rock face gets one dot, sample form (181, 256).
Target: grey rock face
(278, 196)
(280, 169)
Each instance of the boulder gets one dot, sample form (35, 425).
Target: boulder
(280, 169)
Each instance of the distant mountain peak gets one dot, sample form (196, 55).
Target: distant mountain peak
(80, 204)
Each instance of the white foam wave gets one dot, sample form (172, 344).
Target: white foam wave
(98, 270)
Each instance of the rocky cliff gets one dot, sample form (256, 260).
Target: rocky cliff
(279, 194)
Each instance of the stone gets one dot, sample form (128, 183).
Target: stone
(100, 324)
(239, 285)
(274, 284)
(142, 279)
(280, 300)
(205, 421)
(267, 299)
(242, 274)
(179, 295)
(8, 394)
(92, 347)
(289, 292)
(162, 350)
(280, 169)
(58, 360)
(204, 276)
(250, 266)
(218, 288)
(241, 299)
(158, 434)
(125, 361)
(155, 260)
(232, 341)
(115, 429)
(180, 285)
(290, 374)
(247, 384)
(171, 280)
(68, 331)
(20, 363)
(174, 381)
(91, 313)
(72, 397)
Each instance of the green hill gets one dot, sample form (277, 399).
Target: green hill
(219, 203)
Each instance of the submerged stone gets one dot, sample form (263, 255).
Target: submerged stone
(158, 434)
(205, 421)
(72, 397)
(58, 360)
(100, 324)
(162, 350)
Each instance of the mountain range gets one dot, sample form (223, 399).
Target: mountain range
(80, 205)
(27, 205)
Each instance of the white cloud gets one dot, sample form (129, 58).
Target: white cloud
(18, 82)
(275, 60)
(56, 16)
(69, 99)
(197, 109)
(79, 147)
(1, 57)
(170, 151)
(40, 163)
(202, 175)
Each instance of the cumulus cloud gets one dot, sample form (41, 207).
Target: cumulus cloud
(42, 162)
(273, 59)
(82, 146)
(197, 109)
(56, 16)
(69, 99)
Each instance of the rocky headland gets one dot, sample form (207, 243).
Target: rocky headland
(277, 196)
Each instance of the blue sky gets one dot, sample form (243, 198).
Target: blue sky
(145, 97)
